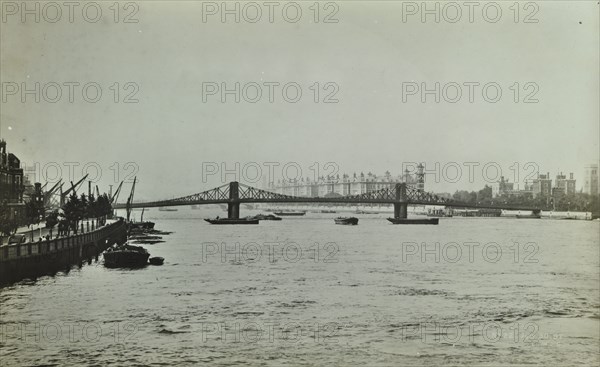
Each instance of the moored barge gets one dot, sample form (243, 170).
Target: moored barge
(290, 214)
(232, 221)
(126, 256)
(414, 221)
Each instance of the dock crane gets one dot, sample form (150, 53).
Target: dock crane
(48, 194)
(113, 199)
(73, 188)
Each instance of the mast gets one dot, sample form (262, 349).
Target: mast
(113, 198)
(130, 199)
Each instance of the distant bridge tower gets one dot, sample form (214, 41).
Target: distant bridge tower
(421, 177)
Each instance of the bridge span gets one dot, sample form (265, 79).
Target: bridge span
(234, 193)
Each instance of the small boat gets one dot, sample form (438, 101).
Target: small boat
(157, 260)
(328, 211)
(346, 220)
(414, 221)
(266, 217)
(163, 209)
(290, 214)
(195, 206)
(126, 256)
(232, 221)
(529, 216)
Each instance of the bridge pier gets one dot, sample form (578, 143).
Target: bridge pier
(401, 207)
(400, 210)
(233, 207)
(233, 210)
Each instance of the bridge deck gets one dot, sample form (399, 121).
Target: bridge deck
(235, 194)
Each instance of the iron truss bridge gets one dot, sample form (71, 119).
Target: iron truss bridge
(234, 193)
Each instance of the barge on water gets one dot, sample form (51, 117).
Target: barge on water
(266, 217)
(232, 221)
(126, 256)
(529, 216)
(141, 225)
(351, 221)
(290, 214)
(414, 221)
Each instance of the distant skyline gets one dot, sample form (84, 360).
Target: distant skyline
(444, 183)
(371, 55)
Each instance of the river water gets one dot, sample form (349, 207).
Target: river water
(303, 291)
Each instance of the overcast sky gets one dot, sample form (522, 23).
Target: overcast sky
(369, 53)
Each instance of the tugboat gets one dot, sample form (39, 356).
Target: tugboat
(266, 217)
(217, 220)
(290, 214)
(346, 220)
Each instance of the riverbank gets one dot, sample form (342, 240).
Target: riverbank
(36, 231)
(47, 256)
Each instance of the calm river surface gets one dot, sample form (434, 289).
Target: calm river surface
(304, 291)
